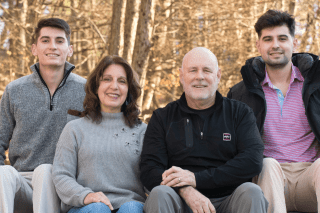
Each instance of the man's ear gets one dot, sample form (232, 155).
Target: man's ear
(258, 45)
(219, 74)
(70, 51)
(181, 76)
(295, 44)
(34, 49)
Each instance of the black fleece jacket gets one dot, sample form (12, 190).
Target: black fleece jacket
(227, 152)
(250, 90)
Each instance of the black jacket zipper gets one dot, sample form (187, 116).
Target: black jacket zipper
(201, 131)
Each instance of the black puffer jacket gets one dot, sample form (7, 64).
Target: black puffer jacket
(250, 90)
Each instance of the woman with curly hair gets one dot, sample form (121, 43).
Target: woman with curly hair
(96, 164)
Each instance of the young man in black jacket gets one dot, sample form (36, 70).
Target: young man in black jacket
(201, 151)
(283, 89)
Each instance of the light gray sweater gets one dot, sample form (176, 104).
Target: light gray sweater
(102, 157)
(33, 120)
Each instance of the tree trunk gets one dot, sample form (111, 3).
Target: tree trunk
(84, 41)
(310, 25)
(153, 84)
(73, 36)
(142, 43)
(312, 30)
(117, 28)
(161, 50)
(22, 36)
(130, 29)
(32, 19)
(284, 5)
(92, 59)
(253, 32)
(265, 8)
(78, 49)
(206, 25)
(292, 5)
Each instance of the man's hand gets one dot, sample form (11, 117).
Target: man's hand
(96, 198)
(177, 177)
(197, 202)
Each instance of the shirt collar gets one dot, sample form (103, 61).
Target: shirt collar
(295, 74)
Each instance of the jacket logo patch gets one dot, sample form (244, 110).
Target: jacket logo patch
(226, 137)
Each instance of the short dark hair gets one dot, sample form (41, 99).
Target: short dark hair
(273, 18)
(51, 22)
(91, 104)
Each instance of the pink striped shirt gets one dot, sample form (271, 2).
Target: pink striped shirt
(287, 135)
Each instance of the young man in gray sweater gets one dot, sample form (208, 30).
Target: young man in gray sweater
(33, 112)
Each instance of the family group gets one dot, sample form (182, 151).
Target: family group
(77, 145)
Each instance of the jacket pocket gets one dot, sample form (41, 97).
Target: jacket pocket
(180, 136)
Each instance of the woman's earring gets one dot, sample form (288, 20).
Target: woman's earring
(128, 99)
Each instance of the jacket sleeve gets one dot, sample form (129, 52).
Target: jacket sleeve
(64, 169)
(154, 157)
(311, 98)
(248, 161)
(7, 123)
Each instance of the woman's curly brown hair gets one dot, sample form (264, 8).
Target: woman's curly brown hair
(91, 104)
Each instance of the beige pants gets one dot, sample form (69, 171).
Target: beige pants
(19, 189)
(290, 186)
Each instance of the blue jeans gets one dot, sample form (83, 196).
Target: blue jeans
(128, 207)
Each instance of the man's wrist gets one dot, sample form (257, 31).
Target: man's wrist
(195, 180)
(185, 189)
(180, 187)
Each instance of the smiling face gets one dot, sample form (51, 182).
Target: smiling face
(276, 46)
(113, 89)
(52, 48)
(200, 77)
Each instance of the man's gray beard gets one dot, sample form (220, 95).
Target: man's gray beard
(278, 65)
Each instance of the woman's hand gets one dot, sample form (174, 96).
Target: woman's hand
(97, 197)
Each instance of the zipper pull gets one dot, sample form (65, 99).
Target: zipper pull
(187, 122)
(201, 135)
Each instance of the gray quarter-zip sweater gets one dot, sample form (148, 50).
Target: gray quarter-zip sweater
(102, 157)
(32, 120)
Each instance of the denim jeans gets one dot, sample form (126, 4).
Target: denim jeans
(128, 207)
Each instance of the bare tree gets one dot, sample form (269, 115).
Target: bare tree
(23, 19)
(130, 29)
(117, 28)
(142, 43)
(153, 44)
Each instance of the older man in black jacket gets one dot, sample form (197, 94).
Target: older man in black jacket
(201, 151)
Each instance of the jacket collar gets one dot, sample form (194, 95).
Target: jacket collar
(67, 68)
(303, 61)
(182, 102)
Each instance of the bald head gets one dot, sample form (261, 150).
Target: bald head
(198, 53)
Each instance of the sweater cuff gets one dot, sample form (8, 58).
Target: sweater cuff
(84, 195)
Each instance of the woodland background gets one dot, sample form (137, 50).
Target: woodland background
(152, 35)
